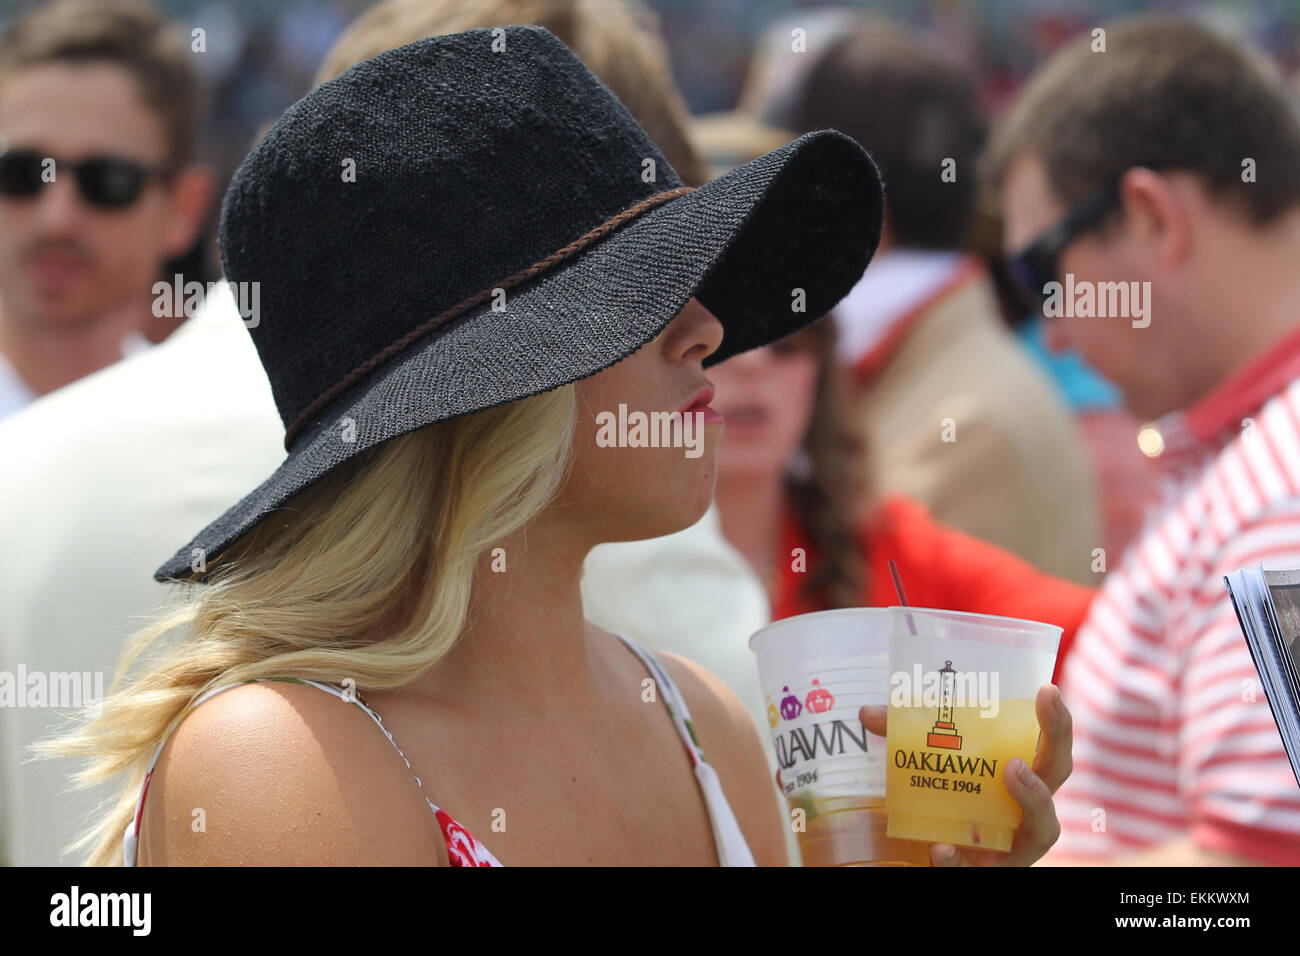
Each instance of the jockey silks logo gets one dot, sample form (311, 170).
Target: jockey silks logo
(818, 739)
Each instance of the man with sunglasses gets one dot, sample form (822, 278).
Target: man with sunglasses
(98, 187)
(1160, 154)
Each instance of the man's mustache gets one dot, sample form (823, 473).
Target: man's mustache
(64, 248)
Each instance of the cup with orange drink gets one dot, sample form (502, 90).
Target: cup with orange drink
(961, 705)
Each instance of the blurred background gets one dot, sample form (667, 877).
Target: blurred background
(261, 54)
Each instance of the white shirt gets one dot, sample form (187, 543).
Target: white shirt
(117, 470)
(15, 393)
(896, 282)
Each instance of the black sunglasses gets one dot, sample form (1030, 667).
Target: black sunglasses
(1036, 265)
(109, 182)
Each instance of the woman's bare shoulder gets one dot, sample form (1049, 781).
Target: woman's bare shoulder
(704, 691)
(731, 742)
(284, 774)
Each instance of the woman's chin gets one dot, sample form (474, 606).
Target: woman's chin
(666, 516)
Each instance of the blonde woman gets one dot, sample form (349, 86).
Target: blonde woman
(473, 271)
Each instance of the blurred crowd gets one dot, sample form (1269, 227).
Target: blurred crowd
(1084, 471)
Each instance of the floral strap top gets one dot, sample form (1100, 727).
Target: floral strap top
(463, 848)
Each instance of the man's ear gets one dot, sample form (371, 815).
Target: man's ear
(886, 233)
(1157, 214)
(192, 190)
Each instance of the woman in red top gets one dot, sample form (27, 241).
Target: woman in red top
(788, 474)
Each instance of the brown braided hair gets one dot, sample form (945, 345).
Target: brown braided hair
(825, 496)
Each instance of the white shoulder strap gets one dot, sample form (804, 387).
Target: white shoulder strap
(733, 849)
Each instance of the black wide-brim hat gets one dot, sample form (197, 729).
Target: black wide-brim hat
(473, 219)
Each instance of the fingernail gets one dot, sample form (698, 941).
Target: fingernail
(947, 854)
(1059, 704)
(876, 713)
(1025, 774)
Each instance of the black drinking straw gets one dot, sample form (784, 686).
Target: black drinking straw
(902, 598)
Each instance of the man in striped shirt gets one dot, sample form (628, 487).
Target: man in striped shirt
(1156, 154)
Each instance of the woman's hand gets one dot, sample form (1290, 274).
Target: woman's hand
(1032, 789)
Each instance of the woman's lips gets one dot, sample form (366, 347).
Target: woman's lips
(710, 413)
(700, 403)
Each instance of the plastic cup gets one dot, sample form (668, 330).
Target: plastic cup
(961, 705)
(817, 671)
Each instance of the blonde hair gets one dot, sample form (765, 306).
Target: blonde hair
(367, 574)
(618, 40)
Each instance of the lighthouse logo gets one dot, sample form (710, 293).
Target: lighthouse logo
(945, 689)
(944, 733)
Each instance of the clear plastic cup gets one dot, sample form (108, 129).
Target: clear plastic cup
(961, 705)
(817, 671)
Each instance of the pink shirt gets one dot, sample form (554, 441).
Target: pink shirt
(1172, 733)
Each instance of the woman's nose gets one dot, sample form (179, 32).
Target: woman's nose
(695, 332)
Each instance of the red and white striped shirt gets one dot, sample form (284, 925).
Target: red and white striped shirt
(1173, 736)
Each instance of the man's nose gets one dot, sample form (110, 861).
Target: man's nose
(58, 205)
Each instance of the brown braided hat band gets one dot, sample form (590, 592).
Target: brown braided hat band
(523, 275)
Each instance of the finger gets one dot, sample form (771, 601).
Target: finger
(1052, 762)
(873, 719)
(1039, 828)
(945, 854)
(973, 856)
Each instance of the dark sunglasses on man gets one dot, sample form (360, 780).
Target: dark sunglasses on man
(108, 182)
(1037, 264)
